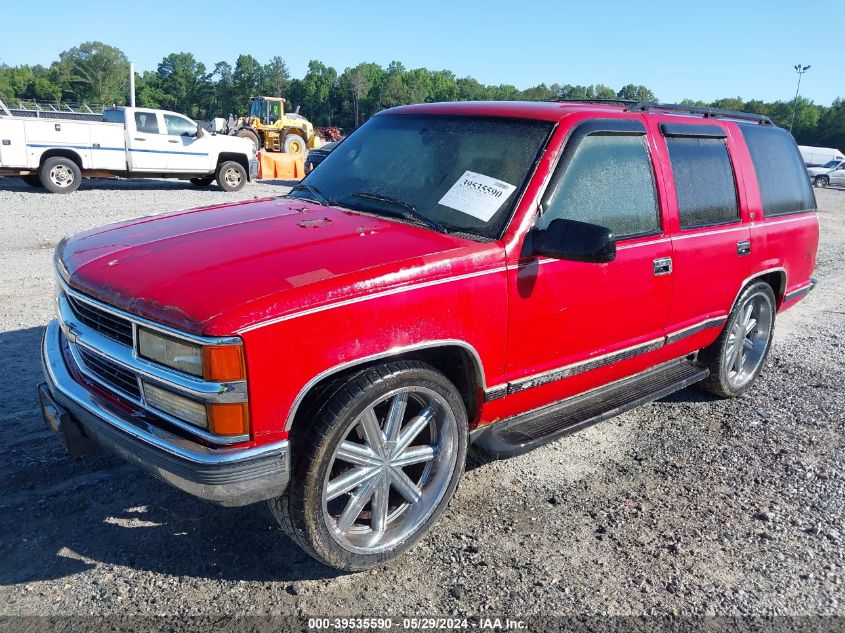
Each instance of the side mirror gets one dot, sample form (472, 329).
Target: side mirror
(574, 241)
(199, 132)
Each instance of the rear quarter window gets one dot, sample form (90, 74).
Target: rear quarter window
(781, 174)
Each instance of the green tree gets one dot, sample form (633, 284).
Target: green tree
(182, 83)
(246, 81)
(636, 93)
(95, 72)
(275, 78)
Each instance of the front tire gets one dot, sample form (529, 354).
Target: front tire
(295, 144)
(60, 175)
(377, 467)
(821, 181)
(737, 356)
(231, 176)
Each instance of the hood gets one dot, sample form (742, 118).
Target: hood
(815, 171)
(215, 270)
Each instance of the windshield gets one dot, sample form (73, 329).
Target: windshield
(459, 173)
(831, 164)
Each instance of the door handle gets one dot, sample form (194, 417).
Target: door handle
(172, 141)
(743, 247)
(138, 138)
(662, 266)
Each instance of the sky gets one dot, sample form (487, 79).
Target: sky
(679, 49)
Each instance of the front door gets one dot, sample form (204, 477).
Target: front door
(187, 152)
(569, 318)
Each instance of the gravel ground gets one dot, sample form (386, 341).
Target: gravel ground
(689, 505)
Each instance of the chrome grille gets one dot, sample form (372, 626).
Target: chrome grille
(111, 373)
(115, 327)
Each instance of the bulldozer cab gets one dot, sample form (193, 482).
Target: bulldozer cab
(266, 109)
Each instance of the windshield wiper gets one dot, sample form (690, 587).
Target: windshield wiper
(318, 197)
(409, 211)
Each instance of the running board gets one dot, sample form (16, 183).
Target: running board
(527, 431)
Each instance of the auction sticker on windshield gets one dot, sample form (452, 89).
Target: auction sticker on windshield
(477, 195)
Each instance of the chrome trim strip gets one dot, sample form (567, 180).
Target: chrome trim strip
(396, 351)
(573, 369)
(368, 297)
(687, 236)
(80, 334)
(677, 335)
(231, 476)
(803, 291)
(136, 320)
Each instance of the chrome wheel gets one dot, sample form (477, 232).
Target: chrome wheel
(390, 471)
(748, 340)
(821, 181)
(61, 176)
(232, 177)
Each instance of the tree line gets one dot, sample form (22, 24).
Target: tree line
(98, 73)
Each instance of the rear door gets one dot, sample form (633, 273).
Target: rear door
(146, 141)
(186, 151)
(711, 237)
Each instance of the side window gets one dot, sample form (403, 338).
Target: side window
(179, 126)
(113, 116)
(781, 175)
(146, 122)
(608, 181)
(704, 181)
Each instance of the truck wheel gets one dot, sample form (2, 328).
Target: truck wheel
(60, 175)
(202, 182)
(295, 144)
(252, 136)
(231, 176)
(377, 467)
(736, 357)
(33, 180)
(821, 181)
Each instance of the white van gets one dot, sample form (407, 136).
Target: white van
(818, 156)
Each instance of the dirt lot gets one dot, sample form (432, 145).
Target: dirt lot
(689, 505)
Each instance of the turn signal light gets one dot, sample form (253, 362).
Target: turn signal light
(223, 363)
(228, 419)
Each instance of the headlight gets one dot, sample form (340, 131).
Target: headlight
(218, 418)
(219, 363)
(177, 406)
(169, 351)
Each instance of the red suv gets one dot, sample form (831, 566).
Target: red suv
(497, 274)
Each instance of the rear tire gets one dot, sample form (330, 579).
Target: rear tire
(737, 356)
(295, 144)
(60, 175)
(33, 180)
(230, 176)
(202, 182)
(351, 504)
(821, 181)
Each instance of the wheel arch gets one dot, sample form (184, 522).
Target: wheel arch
(57, 152)
(234, 156)
(457, 360)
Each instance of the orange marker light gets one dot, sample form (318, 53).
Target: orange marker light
(228, 419)
(224, 363)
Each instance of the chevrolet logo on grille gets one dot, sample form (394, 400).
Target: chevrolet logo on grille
(70, 332)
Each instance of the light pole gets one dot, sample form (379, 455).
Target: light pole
(800, 70)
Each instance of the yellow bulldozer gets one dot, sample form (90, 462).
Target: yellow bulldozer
(274, 130)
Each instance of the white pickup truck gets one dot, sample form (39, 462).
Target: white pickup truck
(128, 142)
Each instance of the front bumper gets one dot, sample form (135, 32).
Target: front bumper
(227, 476)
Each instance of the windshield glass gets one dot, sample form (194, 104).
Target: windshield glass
(831, 164)
(458, 173)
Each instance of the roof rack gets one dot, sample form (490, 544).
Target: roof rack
(619, 101)
(707, 113)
